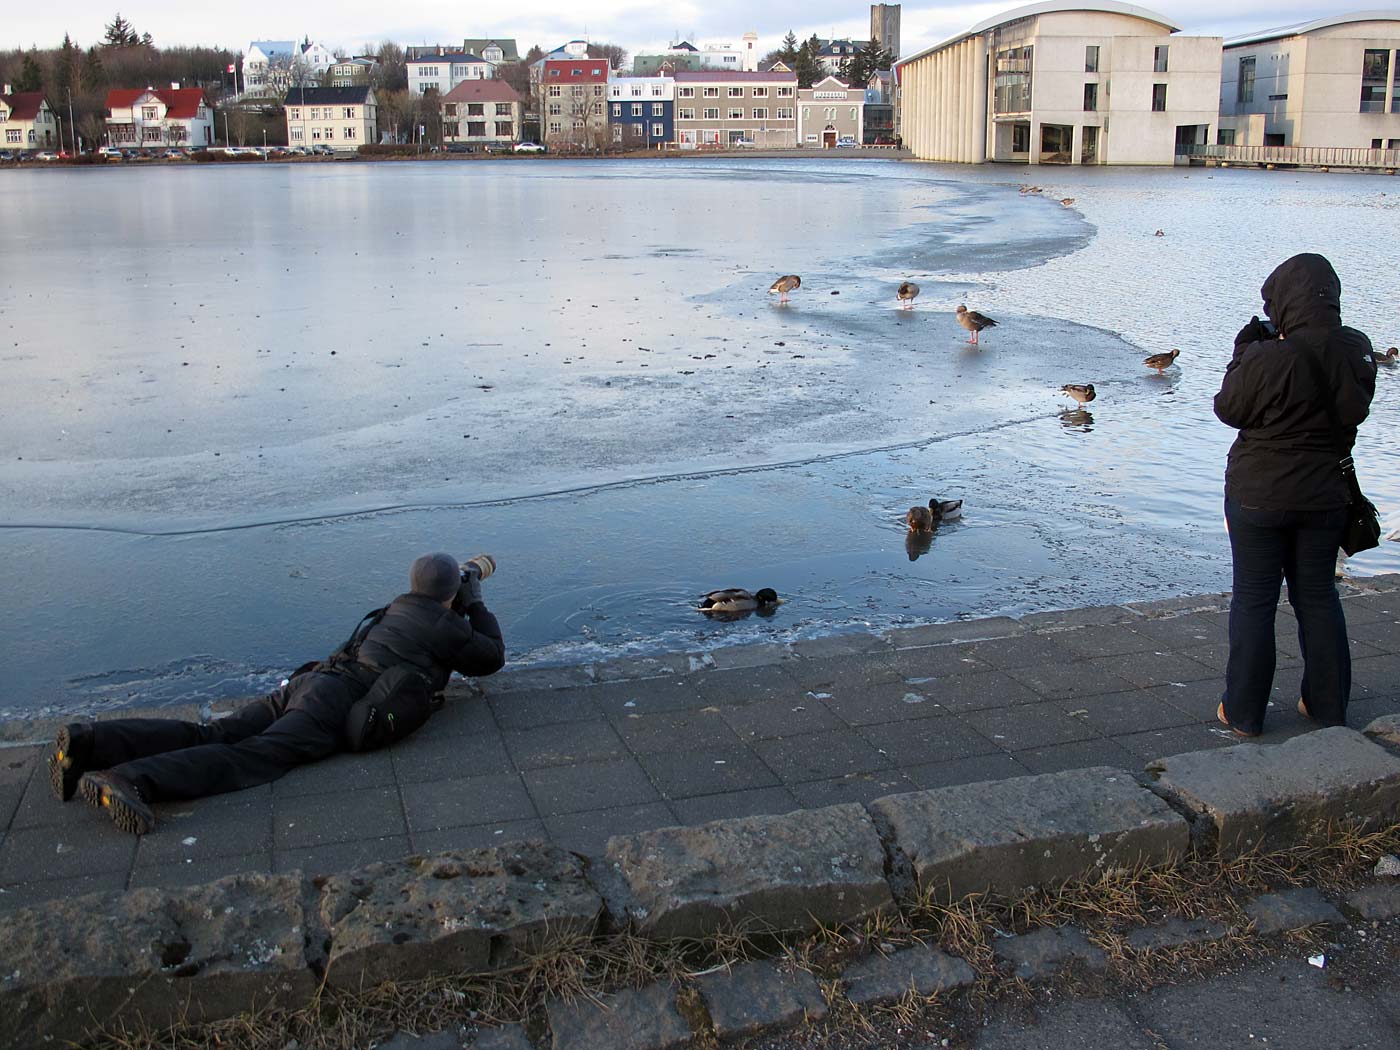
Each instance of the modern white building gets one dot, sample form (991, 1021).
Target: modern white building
(444, 70)
(1093, 82)
(1334, 81)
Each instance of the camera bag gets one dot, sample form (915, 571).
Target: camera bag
(400, 701)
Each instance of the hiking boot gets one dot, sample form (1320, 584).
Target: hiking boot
(119, 797)
(1220, 716)
(68, 761)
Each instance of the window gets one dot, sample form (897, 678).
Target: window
(638, 130)
(1089, 145)
(296, 114)
(1375, 77)
(296, 134)
(476, 128)
(1278, 98)
(760, 92)
(761, 113)
(578, 91)
(598, 90)
(783, 112)
(315, 134)
(636, 109)
(554, 127)
(1091, 58)
(736, 113)
(658, 130)
(1091, 98)
(1376, 143)
(554, 73)
(449, 129)
(555, 90)
(1393, 144)
(617, 132)
(1244, 86)
(685, 114)
(711, 92)
(657, 109)
(636, 90)
(578, 123)
(1159, 58)
(1012, 85)
(476, 109)
(785, 92)
(1225, 137)
(685, 92)
(349, 113)
(503, 109)
(597, 72)
(504, 129)
(736, 92)
(657, 91)
(148, 113)
(555, 109)
(854, 114)
(350, 133)
(449, 109)
(1159, 98)
(711, 113)
(617, 109)
(575, 72)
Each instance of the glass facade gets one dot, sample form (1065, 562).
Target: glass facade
(1013, 84)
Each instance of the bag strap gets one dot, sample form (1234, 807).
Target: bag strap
(351, 647)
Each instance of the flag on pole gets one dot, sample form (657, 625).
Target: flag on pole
(230, 67)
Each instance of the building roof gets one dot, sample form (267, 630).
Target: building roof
(1049, 7)
(357, 95)
(684, 45)
(834, 48)
(1299, 28)
(446, 56)
(275, 47)
(180, 103)
(477, 45)
(482, 91)
(720, 76)
(24, 105)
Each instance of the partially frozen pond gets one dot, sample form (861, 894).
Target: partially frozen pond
(237, 402)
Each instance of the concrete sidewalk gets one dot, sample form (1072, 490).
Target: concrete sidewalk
(577, 754)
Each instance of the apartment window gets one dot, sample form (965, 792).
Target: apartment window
(685, 92)
(476, 128)
(785, 92)
(783, 112)
(1020, 138)
(854, 113)
(1393, 144)
(711, 92)
(1278, 98)
(760, 92)
(330, 134)
(1091, 98)
(760, 114)
(554, 73)
(504, 129)
(685, 114)
(148, 113)
(476, 109)
(1244, 85)
(617, 133)
(736, 92)
(711, 114)
(617, 109)
(1159, 98)
(555, 109)
(348, 113)
(449, 110)
(1159, 58)
(578, 123)
(554, 127)
(657, 109)
(449, 129)
(636, 90)
(1375, 77)
(315, 134)
(638, 130)
(656, 91)
(578, 91)
(350, 132)
(503, 109)
(1225, 137)
(1091, 58)
(598, 90)
(1376, 143)
(555, 90)
(636, 109)
(597, 72)
(735, 113)
(575, 72)
(658, 130)
(296, 114)
(296, 135)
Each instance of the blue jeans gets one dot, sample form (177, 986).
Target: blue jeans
(1269, 546)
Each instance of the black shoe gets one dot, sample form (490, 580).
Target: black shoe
(68, 761)
(119, 797)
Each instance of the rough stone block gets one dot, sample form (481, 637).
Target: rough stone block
(1385, 729)
(468, 911)
(428, 1041)
(200, 953)
(1042, 953)
(785, 872)
(752, 997)
(955, 631)
(1174, 933)
(1254, 797)
(1291, 910)
(1376, 903)
(630, 1020)
(1011, 835)
(888, 978)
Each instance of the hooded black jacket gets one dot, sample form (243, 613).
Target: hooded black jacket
(419, 631)
(1285, 457)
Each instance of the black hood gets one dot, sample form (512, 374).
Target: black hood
(1303, 292)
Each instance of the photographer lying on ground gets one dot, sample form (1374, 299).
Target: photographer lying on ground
(379, 686)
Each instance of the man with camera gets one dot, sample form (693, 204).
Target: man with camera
(441, 625)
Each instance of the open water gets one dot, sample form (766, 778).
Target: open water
(237, 401)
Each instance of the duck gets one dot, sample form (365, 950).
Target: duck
(974, 322)
(919, 519)
(906, 293)
(1030, 189)
(1160, 233)
(945, 509)
(1081, 392)
(1391, 355)
(787, 283)
(736, 599)
(1161, 362)
(1068, 202)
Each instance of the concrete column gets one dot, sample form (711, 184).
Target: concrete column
(1035, 141)
(979, 100)
(960, 104)
(946, 108)
(1076, 142)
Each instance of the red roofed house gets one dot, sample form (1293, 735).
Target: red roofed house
(26, 121)
(150, 117)
(573, 101)
(485, 112)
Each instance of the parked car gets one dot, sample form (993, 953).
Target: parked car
(846, 143)
(322, 150)
(460, 147)
(174, 154)
(6, 155)
(528, 147)
(742, 143)
(110, 153)
(46, 154)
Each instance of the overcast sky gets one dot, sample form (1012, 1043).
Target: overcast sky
(636, 26)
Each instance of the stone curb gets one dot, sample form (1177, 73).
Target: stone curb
(214, 951)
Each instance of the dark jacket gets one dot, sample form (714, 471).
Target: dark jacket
(1286, 455)
(419, 631)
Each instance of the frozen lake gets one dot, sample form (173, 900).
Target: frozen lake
(237, 401)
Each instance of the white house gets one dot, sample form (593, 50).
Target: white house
(154, 117)
(443, 70)
(343, 118)
(272, 66)
(1334, 81)
(1090, 82)
(26, 121)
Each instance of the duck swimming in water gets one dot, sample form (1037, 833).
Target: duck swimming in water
(945, 509)
(1389, 357)
(736, 599)
(919, 519)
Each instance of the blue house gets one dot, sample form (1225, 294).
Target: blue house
(641, 112)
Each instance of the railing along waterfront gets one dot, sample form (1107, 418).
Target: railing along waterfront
(1298, 156)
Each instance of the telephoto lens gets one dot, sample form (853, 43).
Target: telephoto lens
(485, 564)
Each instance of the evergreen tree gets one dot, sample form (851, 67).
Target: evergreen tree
(807, 67)
(119, 33)
(66, 69)
(147, 40)
(788, 52)
(94, 75)
(31, 77)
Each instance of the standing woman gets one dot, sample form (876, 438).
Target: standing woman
(1296, 390)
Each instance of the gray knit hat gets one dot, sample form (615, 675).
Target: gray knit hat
(435, 575)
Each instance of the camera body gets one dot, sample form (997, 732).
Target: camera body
(484, 565)
(1268, 327)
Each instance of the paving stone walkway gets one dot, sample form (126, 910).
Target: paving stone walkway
(577, 754)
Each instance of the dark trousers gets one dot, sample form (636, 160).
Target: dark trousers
(169, 759)
(1270, 546)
